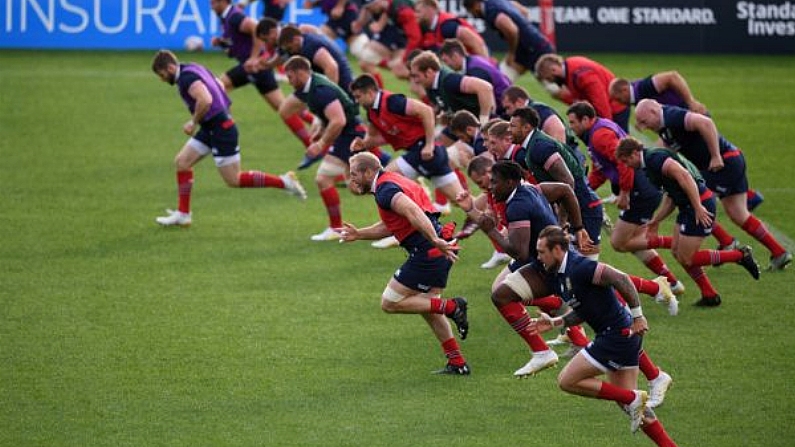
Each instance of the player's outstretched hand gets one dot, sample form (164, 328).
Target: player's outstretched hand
(348, 232)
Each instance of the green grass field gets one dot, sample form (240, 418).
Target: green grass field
(240, 331)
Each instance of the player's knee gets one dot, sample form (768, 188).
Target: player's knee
(387, 306)
(619, 245)
(369, 56)
(503, 295)
(683, 259)
(566, 383)
(358, 44)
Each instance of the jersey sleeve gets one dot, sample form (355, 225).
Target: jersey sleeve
(397, 104)
(322, 96)
(543, 154)
(644, 88)
(407, 20)
(452, 84)
(236, 20)
(596, 92)
(517, 214)
(654, 162)
(186, 79)
(385, 193)
(674, 116)
(449, 29)
(585, 273)
(544, 112)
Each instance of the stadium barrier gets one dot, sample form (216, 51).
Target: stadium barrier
(701, 26)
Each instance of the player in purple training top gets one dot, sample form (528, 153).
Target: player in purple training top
(211, 131)
(454, 55)
(239, 42)
(274, 9)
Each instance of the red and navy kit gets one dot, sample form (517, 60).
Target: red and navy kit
(532, 44)
(728, 181)
(445, 26)
(402, 30)
(602, 140)
(576, 282)
(403, 131)
(589, 81)
(388, 115)
(424, 268)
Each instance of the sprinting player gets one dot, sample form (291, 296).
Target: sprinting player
(341, 15)
(590, 289)
(325, 56)
(211, 130)
(405, 124)
(578, 78)
(686, 190)
(527, 212)
(417, 286)
(721, 163)
(668, 88)
(453, 54)
(479, 170)
(438, 26)
(450, 91)
(340, 126)
(393, 36)
(525, 42)
(550, 121)
(471, 141)
(637, 197)
(549, 160)
(239, 41)
(272, 9)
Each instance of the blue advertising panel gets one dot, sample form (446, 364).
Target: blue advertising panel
(117, 24)
(681, 26)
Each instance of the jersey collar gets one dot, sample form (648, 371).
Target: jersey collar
(527, 140)
(377, 102)
(375, 180)
(307, 85)
(562, 268)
